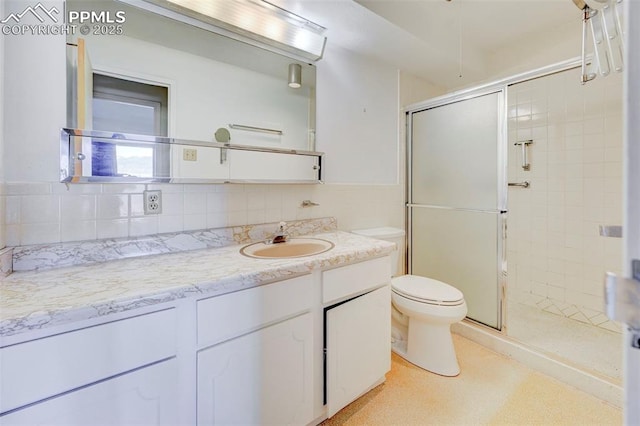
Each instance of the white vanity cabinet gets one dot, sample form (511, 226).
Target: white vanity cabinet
(142, 397)
(258, 368)
(357, 330)
(122, 372)
(253, 356)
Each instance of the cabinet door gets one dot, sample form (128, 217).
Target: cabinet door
(42, 368)
(358, 347)
(265, 377)
(273, 166)
(144, 397)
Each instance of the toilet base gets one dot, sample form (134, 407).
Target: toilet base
(400, 348)
(430, 347)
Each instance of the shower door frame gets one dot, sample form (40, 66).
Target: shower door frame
(499, 208)
(501, 85)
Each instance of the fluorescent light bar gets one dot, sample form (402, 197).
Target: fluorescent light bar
(258, 20)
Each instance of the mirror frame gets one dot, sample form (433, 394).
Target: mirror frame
(71, 137)
(71, 154)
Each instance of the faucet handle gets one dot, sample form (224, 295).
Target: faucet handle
(280, 235)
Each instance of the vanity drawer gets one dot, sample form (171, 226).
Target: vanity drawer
(52, 365)
(230, 315)
(350, 280)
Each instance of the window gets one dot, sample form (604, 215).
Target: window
(129, 107)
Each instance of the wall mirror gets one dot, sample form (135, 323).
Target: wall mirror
(155, 99)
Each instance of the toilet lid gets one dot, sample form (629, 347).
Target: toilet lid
(426, 290)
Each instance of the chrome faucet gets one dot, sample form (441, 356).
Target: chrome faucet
(280, 235)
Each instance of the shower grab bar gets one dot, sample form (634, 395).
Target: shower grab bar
(255, 129)
(524, 184)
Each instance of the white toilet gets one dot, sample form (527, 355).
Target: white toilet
(423, 310)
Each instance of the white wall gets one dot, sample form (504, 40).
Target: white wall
(539, 50)
(415, 89)
(35, 100)
(531, 52)
(41, 210)
(357, 116)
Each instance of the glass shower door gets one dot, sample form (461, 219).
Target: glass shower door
(456, 206)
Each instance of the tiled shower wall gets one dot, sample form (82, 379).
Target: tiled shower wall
(556, 257)
(38, 213)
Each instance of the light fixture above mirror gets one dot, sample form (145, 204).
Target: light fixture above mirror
(258, 20)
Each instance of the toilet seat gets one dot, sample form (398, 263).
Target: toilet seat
(427, 290)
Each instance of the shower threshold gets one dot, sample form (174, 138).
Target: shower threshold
(596, 384)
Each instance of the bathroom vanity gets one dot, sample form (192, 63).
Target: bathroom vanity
(242, 343)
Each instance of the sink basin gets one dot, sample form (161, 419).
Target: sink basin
(294, 247)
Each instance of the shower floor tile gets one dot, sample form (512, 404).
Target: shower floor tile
(591, 348)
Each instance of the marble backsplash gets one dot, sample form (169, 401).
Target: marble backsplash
(47, 256)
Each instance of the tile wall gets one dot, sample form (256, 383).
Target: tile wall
(38, 213)
(556, 257)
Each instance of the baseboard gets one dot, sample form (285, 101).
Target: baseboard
(590, 383)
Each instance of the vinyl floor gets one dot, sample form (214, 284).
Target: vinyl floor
(490, 390)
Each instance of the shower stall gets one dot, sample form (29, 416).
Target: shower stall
(515, 197)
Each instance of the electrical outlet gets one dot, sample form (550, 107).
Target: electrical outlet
(189, 154)
(152, 201)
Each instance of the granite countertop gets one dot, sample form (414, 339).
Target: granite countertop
(32, 300)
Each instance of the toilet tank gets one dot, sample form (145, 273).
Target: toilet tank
(395, 235)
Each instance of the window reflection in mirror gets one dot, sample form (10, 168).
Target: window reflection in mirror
(124, 106)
